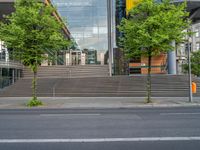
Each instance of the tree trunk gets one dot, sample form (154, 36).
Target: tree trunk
(34, 84)
(149, 79)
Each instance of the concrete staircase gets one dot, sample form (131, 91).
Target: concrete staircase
(117, 86)
(69, 71)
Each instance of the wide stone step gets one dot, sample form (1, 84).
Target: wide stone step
(162, 86)
(69, 71)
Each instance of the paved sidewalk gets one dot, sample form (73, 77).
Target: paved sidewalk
(98, 102)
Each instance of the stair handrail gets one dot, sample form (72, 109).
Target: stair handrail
(69, 72)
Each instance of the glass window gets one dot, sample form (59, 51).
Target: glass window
(197, 32)
(197, 46)
(181, 50)
(87, 22)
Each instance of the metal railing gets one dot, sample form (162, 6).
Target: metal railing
(10, 64)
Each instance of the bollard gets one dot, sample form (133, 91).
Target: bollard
(194, 87)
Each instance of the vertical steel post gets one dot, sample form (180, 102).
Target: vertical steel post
(189, 73)
(109, 23)
(113, 29)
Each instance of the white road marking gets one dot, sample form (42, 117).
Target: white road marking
(179, 113)
(142, 139)
(61, 115)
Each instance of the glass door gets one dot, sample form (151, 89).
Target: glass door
(76, 58)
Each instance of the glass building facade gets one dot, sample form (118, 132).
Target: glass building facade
(87, 23)
(10, 70)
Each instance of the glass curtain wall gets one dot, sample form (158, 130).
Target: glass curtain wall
(8, 73)
(8, 76)
(87, 22)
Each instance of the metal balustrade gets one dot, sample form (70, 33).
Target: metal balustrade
(11, 64)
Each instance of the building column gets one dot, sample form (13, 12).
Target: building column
(172, 60)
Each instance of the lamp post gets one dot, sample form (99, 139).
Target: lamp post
(109, 21)
(189, 71)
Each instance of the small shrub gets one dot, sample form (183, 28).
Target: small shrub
(34, 102)
(147, 101)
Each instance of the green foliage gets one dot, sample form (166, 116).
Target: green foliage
(152, 27)
(195, 63)
(34, 102)
(32, 31)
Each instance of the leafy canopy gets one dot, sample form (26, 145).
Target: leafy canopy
(32, 31)
(152, 26)
(195, 63)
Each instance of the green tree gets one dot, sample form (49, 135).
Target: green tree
(195, 63)
(150, 28)
(32, 31)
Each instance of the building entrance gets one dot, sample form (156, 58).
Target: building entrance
(75, 58)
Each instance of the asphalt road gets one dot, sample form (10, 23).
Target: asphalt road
(114, 129)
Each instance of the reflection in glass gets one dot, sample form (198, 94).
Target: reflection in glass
(87, 22)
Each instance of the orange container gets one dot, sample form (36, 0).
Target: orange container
(194, 87)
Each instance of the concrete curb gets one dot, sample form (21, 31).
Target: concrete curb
(97, 102)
